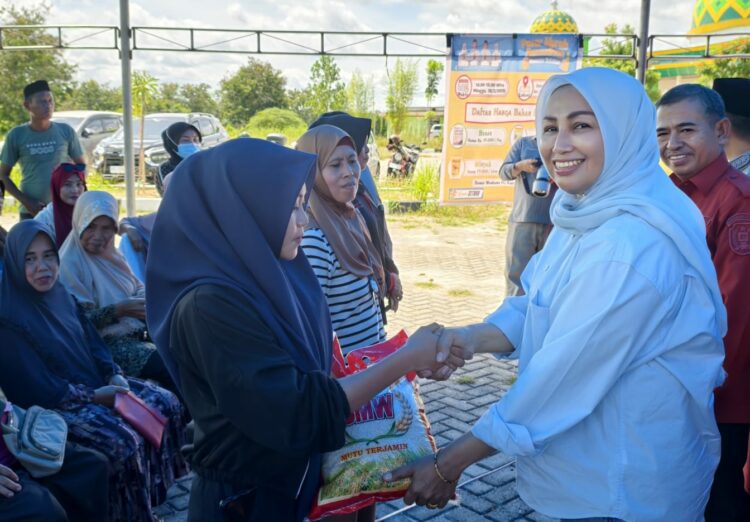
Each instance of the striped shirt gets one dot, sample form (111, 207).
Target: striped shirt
(352, 301)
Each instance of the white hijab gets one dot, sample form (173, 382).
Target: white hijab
(631, 180)
(96, 280)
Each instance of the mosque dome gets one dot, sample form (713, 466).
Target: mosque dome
(556, 21)
(720, 16)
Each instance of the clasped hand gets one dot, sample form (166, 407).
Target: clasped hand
(437, 351)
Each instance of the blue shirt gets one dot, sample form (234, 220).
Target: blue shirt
(619, 353)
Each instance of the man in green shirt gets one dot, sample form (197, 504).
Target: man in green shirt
(39, 146)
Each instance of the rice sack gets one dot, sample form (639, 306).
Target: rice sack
(389, 431)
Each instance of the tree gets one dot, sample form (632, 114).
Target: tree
(360, 95)
(93, 96)
(23, 67)
(402, 84)
(613, 46)
(167, 99)
(197, 97)
(434, 70)
(145, 88)
(298, 101)
(728, 67)
(254, 87)
(326, 91)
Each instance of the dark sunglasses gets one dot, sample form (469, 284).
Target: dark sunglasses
(74, 167)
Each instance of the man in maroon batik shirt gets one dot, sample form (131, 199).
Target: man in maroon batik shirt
(692, 130)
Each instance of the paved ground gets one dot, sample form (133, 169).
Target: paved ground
(452, 275)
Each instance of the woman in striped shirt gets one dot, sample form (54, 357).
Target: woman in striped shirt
(337, 243)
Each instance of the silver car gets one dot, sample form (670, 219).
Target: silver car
(91, 127)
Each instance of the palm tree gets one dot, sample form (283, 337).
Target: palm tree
(144, 90)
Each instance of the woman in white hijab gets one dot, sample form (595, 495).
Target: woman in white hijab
(100, 279)
(618, 335)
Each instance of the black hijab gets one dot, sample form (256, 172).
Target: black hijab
(357, 128)
(171, 138)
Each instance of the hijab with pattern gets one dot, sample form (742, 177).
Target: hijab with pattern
(342, 224)
(631, 180)
(240, 195)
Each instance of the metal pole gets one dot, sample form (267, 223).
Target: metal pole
(127, 106)
(643, 40)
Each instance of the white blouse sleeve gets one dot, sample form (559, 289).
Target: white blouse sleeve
(596, 325)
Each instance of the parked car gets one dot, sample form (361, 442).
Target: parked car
(91, 127)
(108, 156)
(436, 131)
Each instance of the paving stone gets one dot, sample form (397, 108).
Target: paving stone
(475, 502)
(538, 517)
(463, 514)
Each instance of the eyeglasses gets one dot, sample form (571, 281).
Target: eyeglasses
(73, 167)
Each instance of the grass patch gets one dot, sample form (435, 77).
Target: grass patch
(460, 292)
(465, 379)
(426, 284)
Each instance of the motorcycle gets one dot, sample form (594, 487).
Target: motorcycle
(404, 159)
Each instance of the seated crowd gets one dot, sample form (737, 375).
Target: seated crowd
(224, 317)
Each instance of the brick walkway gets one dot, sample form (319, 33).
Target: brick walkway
(452, 275)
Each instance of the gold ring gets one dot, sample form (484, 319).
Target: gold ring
(432, 506)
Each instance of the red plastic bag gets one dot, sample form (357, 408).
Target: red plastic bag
(388, 432)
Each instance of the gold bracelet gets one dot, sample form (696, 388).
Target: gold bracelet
(437, 470)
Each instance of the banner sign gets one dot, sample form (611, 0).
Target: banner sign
(492, 87)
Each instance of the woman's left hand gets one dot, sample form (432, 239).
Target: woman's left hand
(426, 489)
(119, 380)
(395, 293)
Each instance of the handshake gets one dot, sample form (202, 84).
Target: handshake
(435, 352)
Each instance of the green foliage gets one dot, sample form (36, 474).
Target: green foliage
(23, 67)
(92, 96)
(360, 95)
(402, 84)
(254, 87)
(145, 89)
(434, 70)
(167, 99)
(425, 183)
(326, 91)
(197, 97)
(618, 46)
(299, 103)
(277, 121)
(727, 67)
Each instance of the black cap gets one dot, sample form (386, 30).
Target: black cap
(35, 87)
(736, 94)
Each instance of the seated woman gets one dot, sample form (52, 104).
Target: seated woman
(52, 356)
(243, 324)
(98, 276)
(67, 184)
(337, 243)
(180, 140)
(136, 235)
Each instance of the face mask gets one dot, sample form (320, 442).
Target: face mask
(187, 149)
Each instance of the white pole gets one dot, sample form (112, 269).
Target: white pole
(127, 106)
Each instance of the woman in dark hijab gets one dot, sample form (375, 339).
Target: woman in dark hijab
(180, 140)
(240, 319)
(52, 357)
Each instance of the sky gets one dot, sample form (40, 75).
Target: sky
(456, 16)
